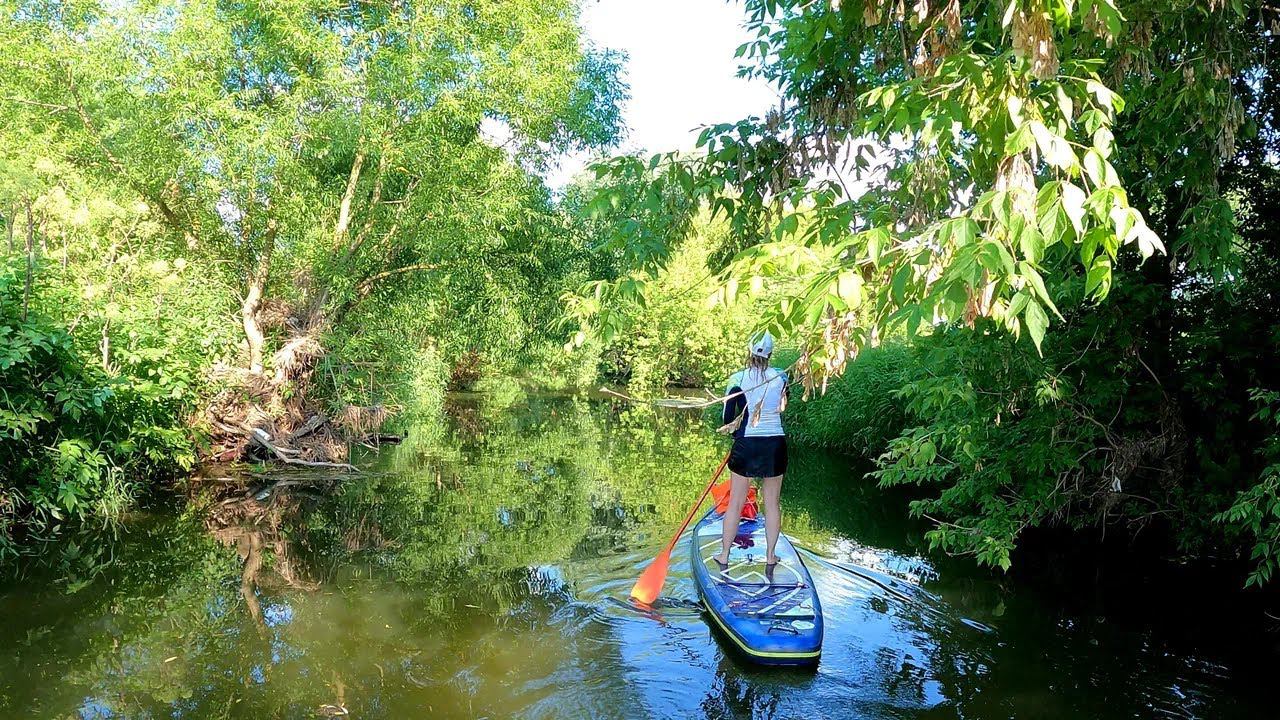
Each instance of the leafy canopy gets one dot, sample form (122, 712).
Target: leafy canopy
(944, 161)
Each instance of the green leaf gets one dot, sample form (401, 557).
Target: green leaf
(1103, 142)
(1014, 104)
(789, 225)
(1019, 302)
(1006, 258)
(1008, 13)
(1099, 170)
(898, 286)
(1033, 278)
(877, 238)
(1108, 100)
(849, 287)
(957, 232)
(927, 452)
(1073, 199)
(1124, 219)
(1148, 242)
(1090, 243)
(1091, 120)
(1098, 279)
(888, 98)
(1018, 141)
(1065, 105)
(1032, 243)
(1055, 150)
(1037, 322)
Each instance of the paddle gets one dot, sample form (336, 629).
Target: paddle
(649, 586)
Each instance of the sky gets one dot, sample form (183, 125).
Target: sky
(680, 67)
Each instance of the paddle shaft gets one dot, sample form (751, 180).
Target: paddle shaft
(694, 510)
(649, 585)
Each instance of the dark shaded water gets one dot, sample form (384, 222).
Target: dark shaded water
(481, 570)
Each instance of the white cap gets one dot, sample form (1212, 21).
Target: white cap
(763, 345)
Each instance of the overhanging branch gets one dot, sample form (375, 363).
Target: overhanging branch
(167, 212)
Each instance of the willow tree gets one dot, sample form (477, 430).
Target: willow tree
(315, 153)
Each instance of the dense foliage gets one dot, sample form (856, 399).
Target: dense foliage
(76, 438)
(292, 218)
(672, 337)
(970, 173)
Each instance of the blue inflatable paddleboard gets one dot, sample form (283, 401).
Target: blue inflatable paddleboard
(771, 614)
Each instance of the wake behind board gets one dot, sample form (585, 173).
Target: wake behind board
(771, 615)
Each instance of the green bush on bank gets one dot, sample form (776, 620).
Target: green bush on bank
(1255, 513)
(76, 437)
(674, 337)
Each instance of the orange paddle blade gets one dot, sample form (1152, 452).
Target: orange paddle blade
(649, 586)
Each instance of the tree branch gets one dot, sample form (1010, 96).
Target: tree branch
(400, 209)
(371, 214)
(366, 286)
(344, 207)
(36, 103)
(166, 211)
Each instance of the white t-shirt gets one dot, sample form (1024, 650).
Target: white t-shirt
(764, 391)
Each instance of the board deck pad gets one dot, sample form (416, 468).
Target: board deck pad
(772, 614)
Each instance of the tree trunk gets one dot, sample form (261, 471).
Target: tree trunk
(249, 317)
(31, 261)
(252, 303)
(320, 298)
(344, 209)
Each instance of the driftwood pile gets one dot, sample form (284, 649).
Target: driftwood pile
(268, 416)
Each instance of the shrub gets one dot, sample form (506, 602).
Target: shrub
(674, 337)
(1256, 510)
(73, 438)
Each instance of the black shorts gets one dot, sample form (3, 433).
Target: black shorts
(759, 457)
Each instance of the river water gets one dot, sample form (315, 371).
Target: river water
(480, 570)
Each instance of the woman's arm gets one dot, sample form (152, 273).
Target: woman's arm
(735, 404)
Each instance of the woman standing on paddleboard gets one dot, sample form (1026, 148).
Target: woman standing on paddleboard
(757, 396)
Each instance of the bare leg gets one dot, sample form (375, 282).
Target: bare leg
(737, 495)
(772, 515)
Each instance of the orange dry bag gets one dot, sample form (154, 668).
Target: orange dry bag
(721, 494)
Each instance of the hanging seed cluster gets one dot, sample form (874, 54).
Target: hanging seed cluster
(938, 25)
(1136, 58)
(1015, 177)
(1033, 40)
(980, 302)
(842, 335)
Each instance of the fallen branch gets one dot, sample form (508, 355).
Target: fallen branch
(260, 437)
(313, 423)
